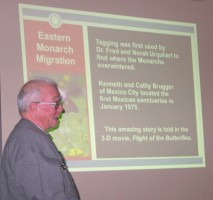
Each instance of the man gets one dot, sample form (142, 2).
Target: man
(32, 168)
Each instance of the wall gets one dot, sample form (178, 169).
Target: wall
(175, 184)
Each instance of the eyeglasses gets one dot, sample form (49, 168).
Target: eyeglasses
(56, 104)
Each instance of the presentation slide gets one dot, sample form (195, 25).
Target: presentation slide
(131, 87)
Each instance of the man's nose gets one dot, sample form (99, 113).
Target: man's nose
(61, 109)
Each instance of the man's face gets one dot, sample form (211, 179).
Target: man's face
(47, 115)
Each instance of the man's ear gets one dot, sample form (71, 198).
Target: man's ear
(32, 106)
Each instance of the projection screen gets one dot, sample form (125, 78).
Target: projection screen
(131, 87)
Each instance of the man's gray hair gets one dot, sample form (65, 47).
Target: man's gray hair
(30, 92)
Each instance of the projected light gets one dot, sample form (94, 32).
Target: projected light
(132, 87)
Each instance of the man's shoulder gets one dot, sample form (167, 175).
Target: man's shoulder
(25, 127)
(24, 132)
